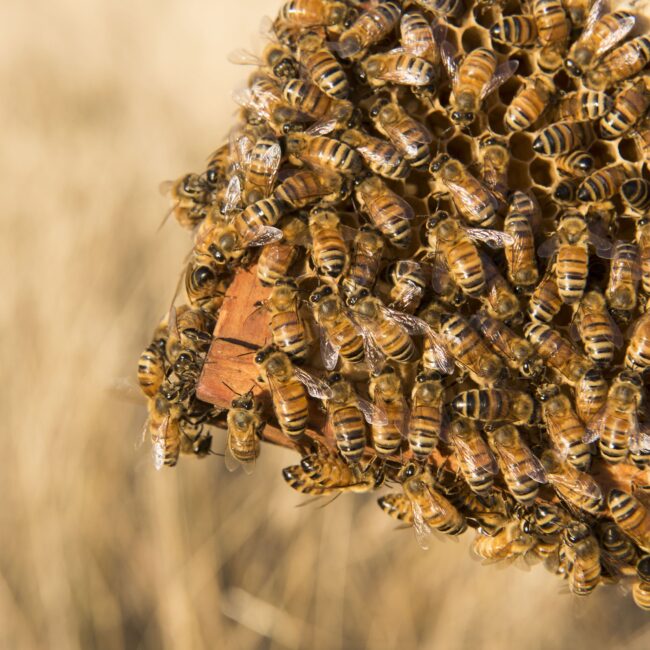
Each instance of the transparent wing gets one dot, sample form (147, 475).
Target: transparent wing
(323, 127)
(372, 414)
(604, 247)
(615, 335)
(468, 201)
(493, 238)
(416, 45)
(158, 440)
(329, 352)
(409, 295)
(370, 153)
(232, 199)
(580, 484)
(531, 465)
(409, 141)
(374, 356)
(500, 76)
(265, 235)
(548, 247)
(407, 76)
(165, 187)
(232, 464)
(241, 56)
(641, 441)
(596, 12)
(422, 530)
(448, 55)
(596, 426)
(315, 387)
(469, 456)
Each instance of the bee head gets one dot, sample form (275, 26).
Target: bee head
(203, 275)
(264, 354)
(437, 164)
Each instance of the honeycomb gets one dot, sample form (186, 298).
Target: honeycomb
(203, 355)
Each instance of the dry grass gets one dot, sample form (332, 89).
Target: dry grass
(101, 101)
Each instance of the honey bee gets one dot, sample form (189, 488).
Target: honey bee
(566, 192)
(642, 137)
(578, 489)
(550, 519)
(398, 67)
(494, 159)
(245, 425)
(624, 276)
(469, 351)
(205, 285)
(301, 14)
(563, 137)
(563, 427)
(600, 34)
(557, 352)
(617, 425)
(447, 290)
(346, 412)
(495, 405)
(386, 392)
(322, 152)
(461, 254)
(619, 551)
(338, 333)
(389, 212)
(447, 8)
(218, 166)
(381, 157)
(576, 164)
(545, 301)
(499, 299)
(571, 241)
(473, 79)
(311, 100)
(590, 394)
(508, 543)
(276, 258)
(520, 254)
(516, 351)
(410, 137)
(408, 285)
(631, 516)
(553, 32)
(261, 168)
(417, 38)
(429, 508)
(637, 355)
(596, 329)
(476, 462)
(165, 429)
(630, 105)
(189, 329)
(521, 469)
(369, 28)
(514, 30)
(321, 65)
(276, 60)
(604, 183)
(287, 384)
(306, 187)
(151, 367)
(425, 423)
(531, 100)
(323, 473)
(578, 11)
(622, 63)
(584, 105)
(641, 587)
(472, 199)
(397, 506)
(367, 252)
(582, 558)
(285, 323)
(636, 196)
(643, 242)
(329, 251)
(190, 196)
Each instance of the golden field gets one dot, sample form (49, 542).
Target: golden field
(102, 101)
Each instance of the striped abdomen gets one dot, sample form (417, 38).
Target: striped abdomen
(259, 172)
(424, 429)
(597, 337)
(603, 183)
(387, 438)
(466, 267)
(387, 214)
(514, 30)
(290, 405)
(265, 212)
(571, 268)
(520, 256)
(307, 98)
(333, 154)
(474, 73)
(621, 292)
(482, 404)
(629, 107)
(562, 137)
(349, 431)
(392, 340)
(527, 105)
(545, 301)
(326, 72)
(288, 334)
(345, 336)
(329, 252)
(274, 262)
(632, 516)
(303, 188)
(584, 105)
(551, 20)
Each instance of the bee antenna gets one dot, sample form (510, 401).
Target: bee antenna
(231, 388)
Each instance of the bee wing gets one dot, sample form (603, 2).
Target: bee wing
(322, 127)
(232, 198)
(411, 294)
(584, 485)
(265, 235)
(241, 56)
(596, 12)
(466, 451)
(412, 44)
(615, 335)
(604, 247)
(595, 426)
(500, 76)
(640, 437)
(532, 466)
(315, 387)
(232, 464)
(370, 153)
(468, 201)
(372, 414)
(374, 356)
(493, 238)
(271, 161)
(405, 75)
(406, 141)
(422, 530)
(415, 325)
(329, 352)
(158, 440)
(548, 247)
(448, 55)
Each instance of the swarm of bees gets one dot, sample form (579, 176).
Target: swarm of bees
(448, 205)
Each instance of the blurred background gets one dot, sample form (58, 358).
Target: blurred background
(101, 102)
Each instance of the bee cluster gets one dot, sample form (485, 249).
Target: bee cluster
(446, 207)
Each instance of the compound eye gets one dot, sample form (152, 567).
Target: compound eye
(336, 377)
(327, 291)
(203, 275)
(456, 116)
(469, 117)
(259, 357)
(364, 293)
